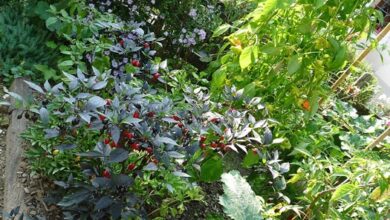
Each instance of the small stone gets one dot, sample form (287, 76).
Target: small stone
(33, 212)
(26, 190)
(24, 175)
(23, 180)
(35, 177)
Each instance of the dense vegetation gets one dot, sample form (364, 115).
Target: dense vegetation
(140, 106)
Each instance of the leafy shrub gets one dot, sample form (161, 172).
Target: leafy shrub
(285, 51)
(128, 137)
(336, 174)
(22, 45)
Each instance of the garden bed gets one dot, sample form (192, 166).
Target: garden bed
(117, 122)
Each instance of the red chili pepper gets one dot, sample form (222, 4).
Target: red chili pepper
(136, 115)
(106, 174)
(134, 146)
(102, 117)
(131, 167)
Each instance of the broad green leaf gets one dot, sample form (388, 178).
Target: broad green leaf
(50, 22)
(246, 57)
(239, 200)
(219, 78)
(211, 169)
(250, 159)
(221, 30)
(269, 6)
(294, 64)
(319, 3)
(66, 63)
(342, 191)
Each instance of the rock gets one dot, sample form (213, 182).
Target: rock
(35, 176)
(33, 212)
(26, 190)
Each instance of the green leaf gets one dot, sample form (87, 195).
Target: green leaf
(319, 3)
(293, 64)
(50, 23)
(219, 78)
(221, 30)
(246, 57)
(239, 200)
(250, 159)
(211, 169)
(66, 63)
(261, 13)
(342, 191)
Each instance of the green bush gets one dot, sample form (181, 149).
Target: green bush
(22, 45)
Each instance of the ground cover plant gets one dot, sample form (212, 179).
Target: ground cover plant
(126, 130)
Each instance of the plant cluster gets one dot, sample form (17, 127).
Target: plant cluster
(126, 134)
(185, 32)
(286, 51)
(22, 45)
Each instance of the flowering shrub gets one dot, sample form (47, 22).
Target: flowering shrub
(188, 29)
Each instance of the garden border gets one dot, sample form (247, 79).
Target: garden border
(13, 188)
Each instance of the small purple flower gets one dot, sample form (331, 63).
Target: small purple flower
(191, 41)
(192, 13)
(89, 57)
(125, 60)
(388, 123)
(202, 34)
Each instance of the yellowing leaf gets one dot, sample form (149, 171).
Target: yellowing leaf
(342, 191)
(297, 177)
(380, 196)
